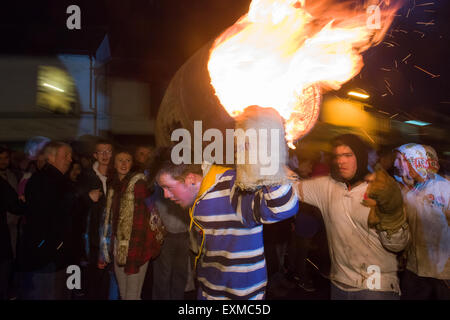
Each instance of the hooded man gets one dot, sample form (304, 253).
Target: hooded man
(427, 205)
(363, 259)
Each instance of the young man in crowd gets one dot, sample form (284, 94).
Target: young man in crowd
(231, 263)
(427, 200)
(363, 259)
(93, 192)
(142, 156)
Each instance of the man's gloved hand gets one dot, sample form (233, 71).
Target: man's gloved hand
(385, 199)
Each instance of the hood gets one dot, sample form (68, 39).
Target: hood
(361, 151)
(423, 159)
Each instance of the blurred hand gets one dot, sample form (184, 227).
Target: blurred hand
(95, 195)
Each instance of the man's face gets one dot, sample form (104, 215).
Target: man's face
(142, 155)
(4, 160)
(103, 153)
(62, 159)
(346, 162)
(401, 165)
(305, 168)
(179, 192)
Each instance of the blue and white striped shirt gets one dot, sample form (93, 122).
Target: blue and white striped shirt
(233, 264)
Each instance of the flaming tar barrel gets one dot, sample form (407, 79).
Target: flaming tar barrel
(190, 97)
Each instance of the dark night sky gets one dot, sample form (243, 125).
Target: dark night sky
(155, 37)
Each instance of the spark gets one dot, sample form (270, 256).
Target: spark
(422, 34)
(425, 4)
(312, 264)
(407, 15)
(370, 138)
(390, 91)
(387, 83)
(384, 95)
(393, 116)
(404, 59)
(391, 43)
(385, 69)
(396, 65)
(427, 72)
(431, 23)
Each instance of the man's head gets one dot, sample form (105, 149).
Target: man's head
(415, 162)
(350, 159)
(386, 157)
(304, 167)
(142, 155)
(35, 147)
(181, 183)
(103, 152)
(4, 158)
(59, 155)
(402, 168)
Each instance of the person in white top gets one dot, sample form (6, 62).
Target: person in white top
(427, 201)
(363, 258)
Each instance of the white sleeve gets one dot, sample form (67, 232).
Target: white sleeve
(312, 191)
(395, 242)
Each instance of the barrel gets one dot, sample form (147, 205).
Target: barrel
(190, 97)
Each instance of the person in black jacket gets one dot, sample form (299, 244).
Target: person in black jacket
(100, 283)
(9, 202)
(47, 236)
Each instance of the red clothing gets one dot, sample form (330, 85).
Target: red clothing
(143, 244)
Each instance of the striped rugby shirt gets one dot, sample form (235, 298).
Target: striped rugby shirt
(232, 265)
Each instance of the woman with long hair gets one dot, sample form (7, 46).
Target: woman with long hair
(129, 238)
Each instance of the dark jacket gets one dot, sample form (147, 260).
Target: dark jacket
(9, 202)
(91, 214)
(47, 234)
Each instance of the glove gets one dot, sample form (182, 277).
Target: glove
(385, 200)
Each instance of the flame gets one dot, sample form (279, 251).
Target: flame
(283, 53)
